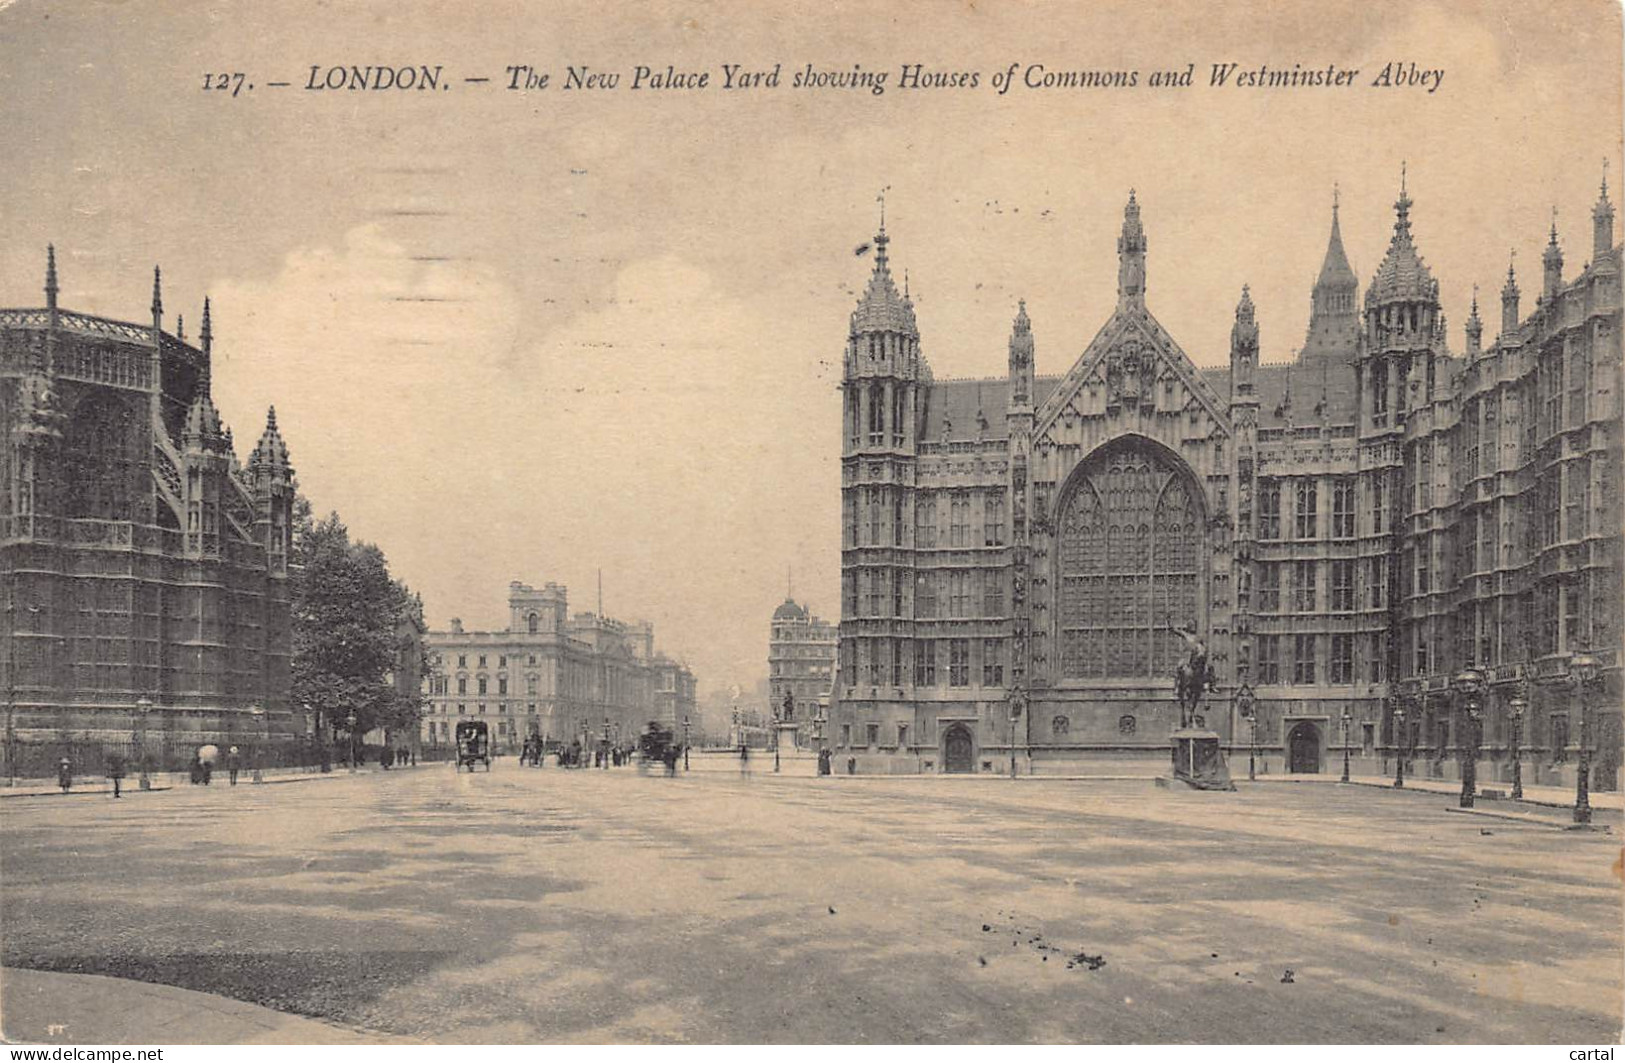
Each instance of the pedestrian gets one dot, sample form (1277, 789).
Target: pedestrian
(208, 772)
(197, 769)
(115, 772)
(234, 763)
(64, 774)
(744, 758)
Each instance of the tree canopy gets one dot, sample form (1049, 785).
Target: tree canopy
(352, 629)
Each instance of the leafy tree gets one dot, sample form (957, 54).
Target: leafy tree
(348, 620)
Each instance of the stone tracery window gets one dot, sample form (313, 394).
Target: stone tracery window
(1130, 558)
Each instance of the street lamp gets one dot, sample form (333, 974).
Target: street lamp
(142, 707)
(1516, 707)
(776, 733)
(1247, 706)
(1399, 743)
(685, 741)
(1345, 722)
(1469, 687)
(349, 722)
(260, 727)
(1584, 668)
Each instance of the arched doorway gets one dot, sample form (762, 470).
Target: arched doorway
(958, 751)
(1303, 749)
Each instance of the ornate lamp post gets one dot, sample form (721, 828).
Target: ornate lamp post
(1470, 689)
(1345, 721)
(1399, 743)
(142, 707)
(685, 741)
(349, 722)
(1584, 668)
(1247, 706)
(1516, 708)
(261, 737)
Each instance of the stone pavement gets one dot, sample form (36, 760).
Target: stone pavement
(170, 780)
(606, 906)
(1545, 796)
(44, 1007)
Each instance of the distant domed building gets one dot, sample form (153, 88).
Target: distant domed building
(142, 566)
(801, 665)
(1028, 559)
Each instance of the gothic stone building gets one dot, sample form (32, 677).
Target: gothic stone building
(139, 559)
(552, 674)
(1346, 530)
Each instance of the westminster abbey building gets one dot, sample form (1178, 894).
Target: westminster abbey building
(1027, 559)
(143, 567)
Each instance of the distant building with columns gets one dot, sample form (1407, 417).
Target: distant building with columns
(552, 674)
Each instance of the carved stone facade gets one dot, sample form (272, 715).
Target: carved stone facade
(138, 558)
(1018, 551)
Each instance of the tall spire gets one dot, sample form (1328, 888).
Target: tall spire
(1021, 359)
(1131, 255)
(1332, 306)
(1243, 346)
(157, 298)
(207, 335)
(882, 308)
(1402, 207)
(1553, 262)
(50, 277)
(1509, 297)
(881, 239)
(1475, 328)
(1602, 220)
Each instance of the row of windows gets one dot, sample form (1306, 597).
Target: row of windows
(1304, 492)
(1303, 667)
(950, 594)
(1060, 726)
(479, 708)
(1301, 591)
(893, 662)
(502, 659)
(877, 517)
(439, 684)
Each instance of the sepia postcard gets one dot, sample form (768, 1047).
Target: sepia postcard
(904, 522)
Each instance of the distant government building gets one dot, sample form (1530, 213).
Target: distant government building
(139, 561)
(551, 674)
(1347, 531)
(801, 653)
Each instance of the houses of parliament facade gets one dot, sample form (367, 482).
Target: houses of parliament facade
(1027, 559)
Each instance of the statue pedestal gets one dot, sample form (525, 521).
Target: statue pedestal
(1198, 761)
(786, 735)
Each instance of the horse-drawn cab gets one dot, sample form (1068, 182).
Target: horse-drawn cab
(473, 744)
(658, 745)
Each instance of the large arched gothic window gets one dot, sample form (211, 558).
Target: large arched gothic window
(1130, 561)
(102, 460)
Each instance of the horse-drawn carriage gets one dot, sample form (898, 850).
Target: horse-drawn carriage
(473, 744)
(658, 745)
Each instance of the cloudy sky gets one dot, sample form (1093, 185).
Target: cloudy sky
(519, 335)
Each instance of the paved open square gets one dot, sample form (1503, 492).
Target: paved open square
(545, 905)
